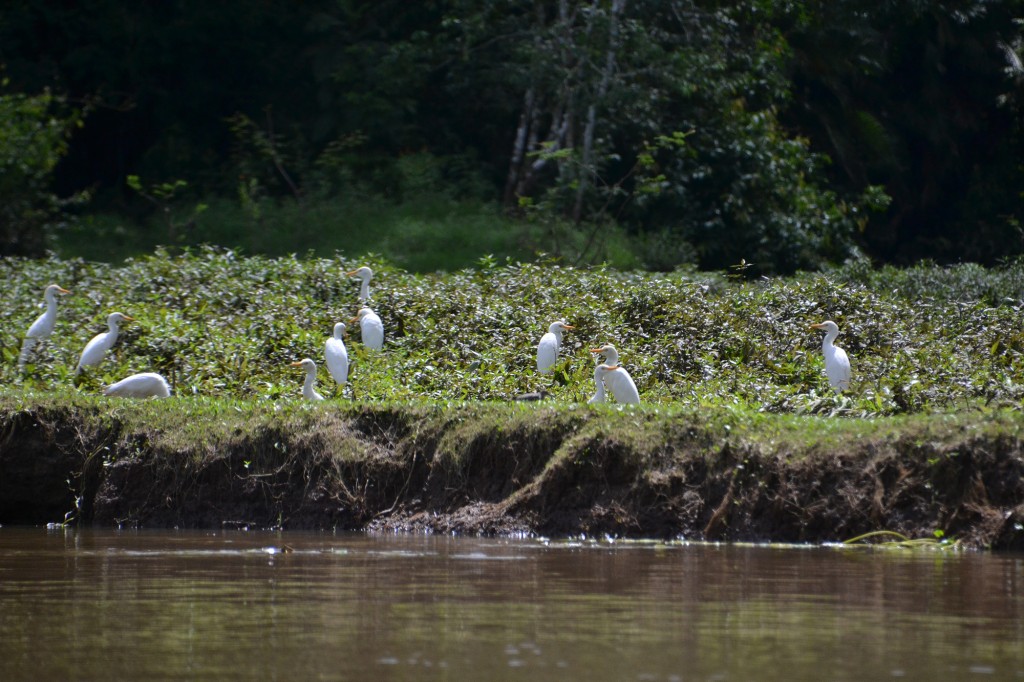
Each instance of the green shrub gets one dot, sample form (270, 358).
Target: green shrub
(222, 325)
(33, 138)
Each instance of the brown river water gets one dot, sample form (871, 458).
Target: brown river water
(236, 605)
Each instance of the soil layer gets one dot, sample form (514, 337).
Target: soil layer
(495, 469)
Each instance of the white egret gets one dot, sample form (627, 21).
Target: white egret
(365, 274)
(616, 378)
(43, 326)
(837, 364)
(599, 374)
(371, 328)
(308, 390)
(550, 343)
(611, 356)
(336, 355)
(101, 343)
(621, 385)
(144, 385)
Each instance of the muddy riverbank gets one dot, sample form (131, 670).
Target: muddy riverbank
(504, 469)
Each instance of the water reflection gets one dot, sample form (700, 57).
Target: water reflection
(246, 605)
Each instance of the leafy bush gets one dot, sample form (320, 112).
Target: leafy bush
(965, 282)
(33, 138)
(222, 325)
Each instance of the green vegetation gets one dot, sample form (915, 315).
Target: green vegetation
(420, 234)
(220, 325)
(33, 138)
(648, 436)
(794, 135)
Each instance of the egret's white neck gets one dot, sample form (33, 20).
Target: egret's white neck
(364, 288)
(307, 386)
(51, 301)
(114, 326)
(829, 340)
(599, 395)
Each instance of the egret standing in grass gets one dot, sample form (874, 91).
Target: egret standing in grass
(370, 328)
(336, 355)
(365, 274)
(43, 326)
(550, 343)
(837, 364)
(616, 377)
(97, 348)
(309, 385)
(144, 385)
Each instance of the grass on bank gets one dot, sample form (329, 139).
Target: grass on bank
(201, 424)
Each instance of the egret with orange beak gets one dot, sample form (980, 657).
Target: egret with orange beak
(43, 326)
(97, 348)
(365, 274)
(308, 386)
(611, 355)
(550, 343)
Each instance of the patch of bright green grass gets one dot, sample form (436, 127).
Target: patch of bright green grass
(199, 424)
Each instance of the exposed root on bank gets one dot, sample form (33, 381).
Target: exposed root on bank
(888, 538)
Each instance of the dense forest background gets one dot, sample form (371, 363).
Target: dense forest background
(782, 134)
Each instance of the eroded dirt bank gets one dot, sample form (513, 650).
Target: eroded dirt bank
(502, 469)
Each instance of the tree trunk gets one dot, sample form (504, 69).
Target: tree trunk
(587, 155)
(519, 147)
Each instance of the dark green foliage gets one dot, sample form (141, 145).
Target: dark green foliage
(800, 118)
(923, 98)
(33, 138)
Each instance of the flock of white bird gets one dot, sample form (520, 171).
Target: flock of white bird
(609, 376)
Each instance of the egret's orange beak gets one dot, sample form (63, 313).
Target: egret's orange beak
(295, 364)
(349, 274)
(568, 326)
(353, 319)
(62, 290)
(817, 326)
(128, 317)
(596, 350)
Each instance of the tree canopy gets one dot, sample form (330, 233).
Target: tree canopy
(786, 133)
